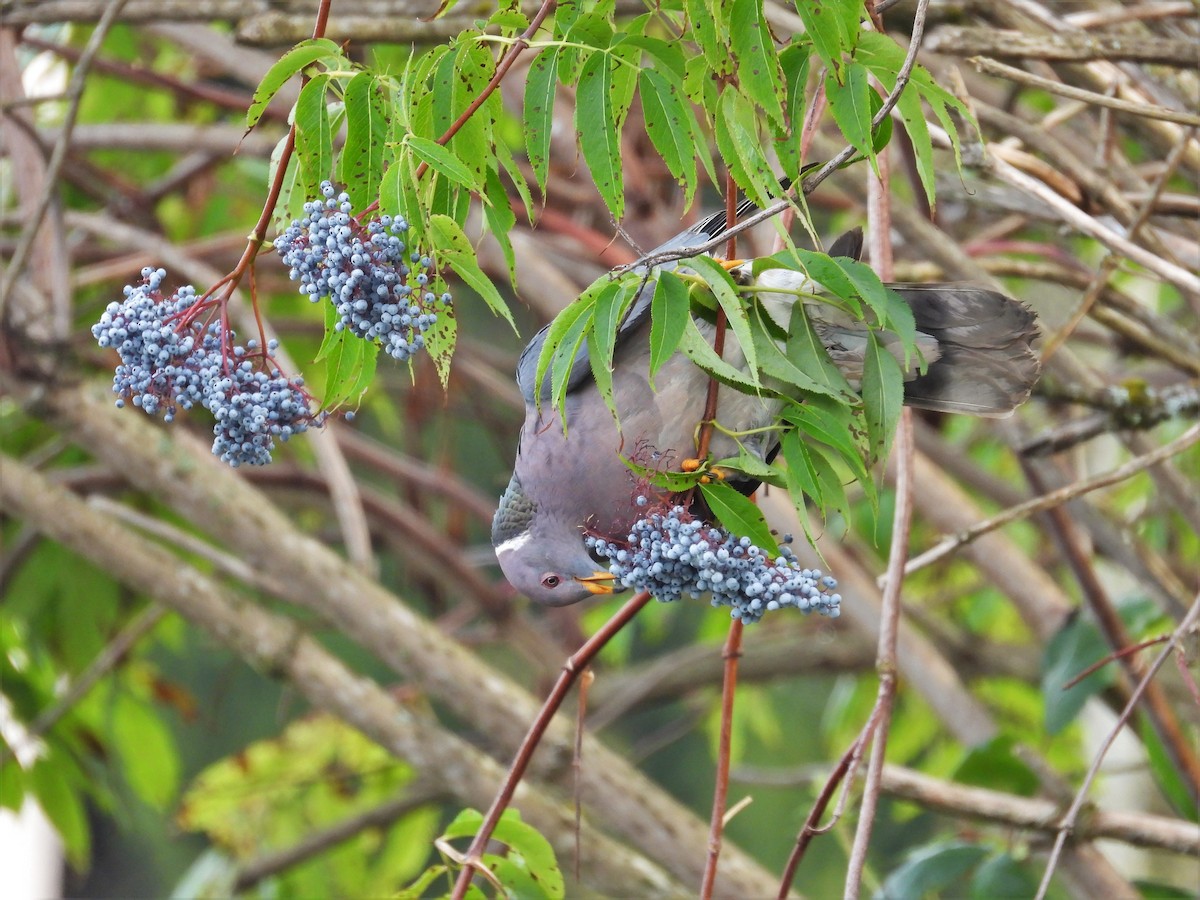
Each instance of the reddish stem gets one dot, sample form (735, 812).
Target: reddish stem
(571, 670)
(506, 63)
(731, 653)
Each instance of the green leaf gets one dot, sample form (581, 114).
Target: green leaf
(474, 67)
(599, 134)
(1001, 876)
(850, 102)
(793, 60)
(295, 60)
(726, 292)
(569, 325)
(361, 162)
(454, 249)
(443, 161)
(829, 423)
(806, 351)
(669, 128)
(498, 212)
(346, 359)
(757, 66)
(64, 808)
(670, 311)
(740, 515)
(526, 844)
(826, 30)
(883, 395)
(775, 364)
(1166, 775)
(1073, 649)
(803, 483)
(609, 312)
(440, 341)
(931, 868)
(994, 765)
(314, 135)
(538, 113)
(742, 150)
(151, 761)
(700, 352)
(749, 464)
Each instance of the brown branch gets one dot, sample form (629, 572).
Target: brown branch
(731, 653)
(1148, 110)
(20, 254)
(1069, 823)
(217, 500)
(275, 644)
(412, 797)
(1036, 814)
(1053, 499)
(1065, 47)
(574, 665)
(1158, 710)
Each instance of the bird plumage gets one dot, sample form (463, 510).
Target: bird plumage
(977, 356)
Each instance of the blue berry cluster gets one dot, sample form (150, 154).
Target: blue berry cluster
(163, 366)
(378, 292)
(169, 363)
(671, 553)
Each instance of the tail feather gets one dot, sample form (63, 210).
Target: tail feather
(987, 366)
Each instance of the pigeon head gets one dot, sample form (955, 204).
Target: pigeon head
(544, 558)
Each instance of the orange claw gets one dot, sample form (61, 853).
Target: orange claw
(690, 465)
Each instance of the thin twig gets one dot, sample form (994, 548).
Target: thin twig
(577, 662)
(1075, 217)
(1148, 110)
(1068, 823)
(113, 654)
(731, 653)
(20, 255)
(888, 630)
(1050, 500)
(809, 184)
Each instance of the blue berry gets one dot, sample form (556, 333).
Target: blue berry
(671, 553)
(361, 270)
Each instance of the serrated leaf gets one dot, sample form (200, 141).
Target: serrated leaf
(343, 364)
(572, 320)
(453, 248)
(292, 194)
(700, 352)
(443, 161)
(752, 466)
(474, 67)
(739, 514)
(850, 102)
(802, 482)
(440, 341)
(793, 60)
(705, 32)
(498, 212)
(597, 127)
(538, 113)
(527, 844)
(726, 292)
(670, 311)
(742, 150)
(590, 35)
(609, 312)
(361, 162)
(314, 135)
(757, 66)
(398, 196)
(669, 129)
(806, 351)
(623, 64)
(826, 31)
(833, 491)
(830, 424)
(883, 395)
(295, 60)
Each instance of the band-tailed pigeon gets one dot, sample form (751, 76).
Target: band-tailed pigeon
(975, 342)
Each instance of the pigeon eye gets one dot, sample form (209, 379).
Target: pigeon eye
(551, 580)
